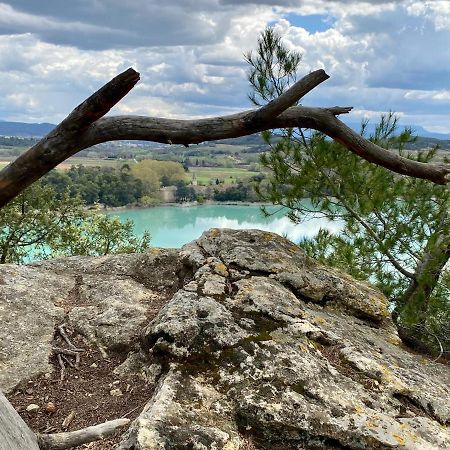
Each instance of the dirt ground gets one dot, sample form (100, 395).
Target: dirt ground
(84, 394)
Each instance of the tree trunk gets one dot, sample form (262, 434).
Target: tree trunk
(14, 432)
(414, 302)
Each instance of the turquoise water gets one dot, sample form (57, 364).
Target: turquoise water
(172, 226)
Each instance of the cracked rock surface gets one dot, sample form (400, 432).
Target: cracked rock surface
(257, 346)
(108, 300)
(264, 342)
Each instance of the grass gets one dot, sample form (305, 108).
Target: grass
(87, 162)
(228, 175)
(93, 162)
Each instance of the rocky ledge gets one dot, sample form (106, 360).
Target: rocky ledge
(247, 343)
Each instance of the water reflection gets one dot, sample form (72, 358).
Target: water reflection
(175, 226)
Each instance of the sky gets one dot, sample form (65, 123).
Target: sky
(381, 55)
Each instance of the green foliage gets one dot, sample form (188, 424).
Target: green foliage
(239, 193)
(396, 230)
(153, 173)
(98, 234)
(184, 192)
(272, 68)
(39, 225)
(138, 183)
(103, 185)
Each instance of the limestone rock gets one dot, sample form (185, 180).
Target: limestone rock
(110, 311)
(297, 355)
(108, 300)
(29, 312)
(258, 342)
(268, 253)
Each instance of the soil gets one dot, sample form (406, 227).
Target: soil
(84, 392)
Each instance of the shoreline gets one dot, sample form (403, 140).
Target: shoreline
(178, 205)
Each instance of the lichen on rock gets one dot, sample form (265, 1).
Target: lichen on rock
(258, 342)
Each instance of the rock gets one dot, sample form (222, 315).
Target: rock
(260, 252)
(258, 343)
(108, 300)
(191, 324)
(50, 407)
(33, 408)
(116, 392)
(112, 311)
(29, 312)
(290, 352)
(158, 269)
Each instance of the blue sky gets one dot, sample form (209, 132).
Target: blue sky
(381, 55)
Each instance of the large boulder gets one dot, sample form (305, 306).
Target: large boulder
(264, 345)
(108, 300)
(29, 311)
(250, 344)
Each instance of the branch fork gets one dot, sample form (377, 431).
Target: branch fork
(86, 126)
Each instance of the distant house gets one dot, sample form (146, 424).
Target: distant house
(168, 194)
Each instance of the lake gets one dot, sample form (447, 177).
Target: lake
(174, 226)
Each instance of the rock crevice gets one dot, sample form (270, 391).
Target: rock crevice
(259, 347)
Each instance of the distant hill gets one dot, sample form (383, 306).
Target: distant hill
(21, 129)
(416, 129)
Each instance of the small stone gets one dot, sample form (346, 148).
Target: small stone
(29, 391)
(116, 392)
(93, 365)
(50, 407)
(32, 407)
(48, 375)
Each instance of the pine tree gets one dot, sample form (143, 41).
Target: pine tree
(396, 230)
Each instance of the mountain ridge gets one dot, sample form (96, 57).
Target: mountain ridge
(25, 129)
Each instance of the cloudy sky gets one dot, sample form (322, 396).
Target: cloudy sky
(382, 55)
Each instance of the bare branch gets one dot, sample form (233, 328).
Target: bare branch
(85, 127)
(60, 441)
(289, 98)
(215, 128)
(60, 143)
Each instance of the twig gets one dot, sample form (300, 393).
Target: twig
(67, 360)
(73, 351)
(61, 364)
(130, 412)
(63, 334)
(65, 351)
(77, 361)
(441, 349)
(68, 420)
(61, 441)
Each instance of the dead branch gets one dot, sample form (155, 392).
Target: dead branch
(59, 441)
(86, 126)
(63, 334)
(65, 351)
(61, 365)
(60, 143)
(62, 354)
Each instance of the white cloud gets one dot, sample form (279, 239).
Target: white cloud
(381, 55)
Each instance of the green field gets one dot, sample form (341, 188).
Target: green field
(87, 162)
(227, 175)
(204, 175)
